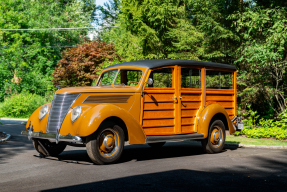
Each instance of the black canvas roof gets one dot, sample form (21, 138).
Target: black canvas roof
(168, 62)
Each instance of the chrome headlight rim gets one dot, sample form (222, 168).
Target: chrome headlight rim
(43, 111)
(76, 112)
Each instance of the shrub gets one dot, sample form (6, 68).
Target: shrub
(263, 132)
(80, 66)
(21, 105)
(251, 117)
(269, 128)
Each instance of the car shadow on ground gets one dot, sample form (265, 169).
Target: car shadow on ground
(267, 175)
(19, 144)
(137, 153)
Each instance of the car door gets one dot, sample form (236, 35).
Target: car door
(190, 96)
(159, 103)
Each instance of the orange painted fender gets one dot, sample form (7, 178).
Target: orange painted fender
(208, 113)
(36, 124)
(96, 115)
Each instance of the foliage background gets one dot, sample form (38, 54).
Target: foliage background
(28, 58)
(81, 66)
(250, 34)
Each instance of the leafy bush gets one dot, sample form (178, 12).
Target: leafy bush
(251, 117)
(263, 132)
(31, 81)
(21, 105)
(80, 66)
(269, 128)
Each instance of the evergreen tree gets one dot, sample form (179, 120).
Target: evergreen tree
(156, 29)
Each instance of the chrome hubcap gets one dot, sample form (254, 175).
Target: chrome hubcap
(216, 136)
(108, 142)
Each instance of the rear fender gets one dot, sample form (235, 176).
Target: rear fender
(206, 116)
(96, 115)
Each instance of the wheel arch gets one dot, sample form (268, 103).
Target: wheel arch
(209, 114)
(221, 117)
(118, 121)
(109, 112)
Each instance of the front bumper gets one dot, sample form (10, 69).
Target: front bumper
(51, 137)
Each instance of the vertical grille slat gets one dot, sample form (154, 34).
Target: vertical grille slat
(59, 109)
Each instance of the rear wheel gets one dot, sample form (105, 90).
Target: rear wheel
(47, 148)
(106, 145)
(215, 141)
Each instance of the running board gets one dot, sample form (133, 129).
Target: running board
(164, 138)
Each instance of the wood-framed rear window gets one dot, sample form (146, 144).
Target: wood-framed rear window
(190, 78)
(217, 79)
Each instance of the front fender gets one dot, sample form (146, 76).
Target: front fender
(36, 124)
(96, 115)
(207, 114)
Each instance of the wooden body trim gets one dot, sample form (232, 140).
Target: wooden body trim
(163, 115)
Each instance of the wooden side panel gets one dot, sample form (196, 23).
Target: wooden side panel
(159, 112)
(225, 98)
(190, 104)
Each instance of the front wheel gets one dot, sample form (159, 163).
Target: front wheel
(105, 146)
(215, 141)
(47, 148)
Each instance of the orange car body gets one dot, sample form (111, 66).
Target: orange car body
(148, 111)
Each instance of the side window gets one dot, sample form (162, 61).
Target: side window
(128, 77)
(219, 79)
(162, 78)
(190, 78)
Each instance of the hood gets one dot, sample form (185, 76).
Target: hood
(96, 89)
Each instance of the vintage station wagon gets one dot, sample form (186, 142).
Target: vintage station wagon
(142, 102)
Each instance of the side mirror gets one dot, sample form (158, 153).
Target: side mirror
(149, 81)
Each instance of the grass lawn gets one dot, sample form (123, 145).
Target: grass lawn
(250, 141)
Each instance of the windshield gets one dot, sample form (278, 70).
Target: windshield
(107, 78)
(126, 77)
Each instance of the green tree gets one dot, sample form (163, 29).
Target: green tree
(28, 58)
(109, 13)
(271, 3)
(263, 56)
(188, 29)
(109, 16)
(156, 29)
(211, 18)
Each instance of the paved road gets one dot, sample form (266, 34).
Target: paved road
(176, 167)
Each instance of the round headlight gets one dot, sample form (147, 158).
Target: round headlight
(76, 113)
(43, 111)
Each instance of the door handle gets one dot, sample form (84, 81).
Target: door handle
(181, 97)
(175, 98)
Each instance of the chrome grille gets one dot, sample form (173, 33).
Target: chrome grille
(59, 109)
